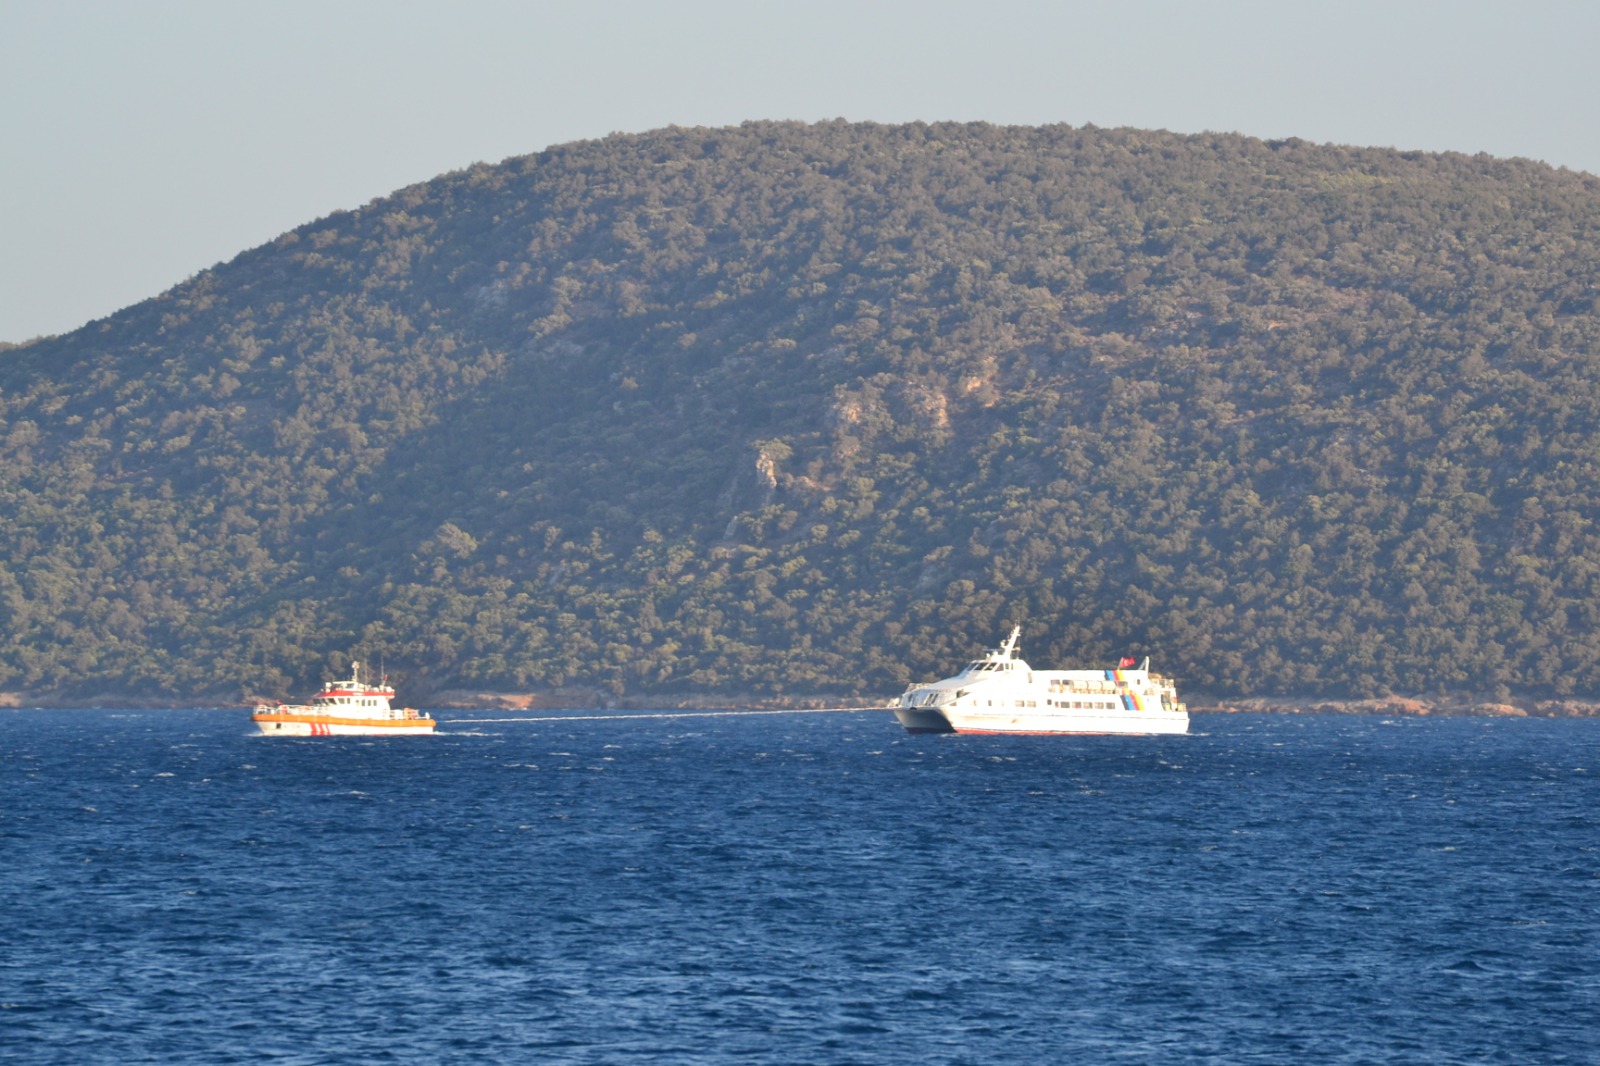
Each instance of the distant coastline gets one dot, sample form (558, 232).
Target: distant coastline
(1452, 706)
(1417, 707)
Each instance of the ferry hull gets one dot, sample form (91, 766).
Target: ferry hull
(1103, 724)
(298, 725)
(921, 720)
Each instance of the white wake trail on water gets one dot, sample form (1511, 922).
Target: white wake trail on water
(655, 714)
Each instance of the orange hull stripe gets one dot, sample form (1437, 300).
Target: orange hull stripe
(382, 723)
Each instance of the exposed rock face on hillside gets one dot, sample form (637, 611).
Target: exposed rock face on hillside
(795, 412)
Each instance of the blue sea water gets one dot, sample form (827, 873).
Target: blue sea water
(805, 888)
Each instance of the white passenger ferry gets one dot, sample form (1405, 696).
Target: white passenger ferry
(343, 708)
(1000, 693)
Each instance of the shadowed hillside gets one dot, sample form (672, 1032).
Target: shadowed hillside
(815, 409)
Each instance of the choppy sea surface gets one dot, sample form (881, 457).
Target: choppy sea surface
(798, 888)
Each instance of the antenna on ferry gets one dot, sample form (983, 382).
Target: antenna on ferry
(1011, 642)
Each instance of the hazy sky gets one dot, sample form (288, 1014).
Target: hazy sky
(142, 141)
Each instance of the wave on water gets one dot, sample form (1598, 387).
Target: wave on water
(799, 887)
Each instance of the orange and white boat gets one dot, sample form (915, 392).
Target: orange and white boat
(343, 708)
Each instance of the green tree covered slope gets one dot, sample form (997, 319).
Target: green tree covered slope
(787, 408)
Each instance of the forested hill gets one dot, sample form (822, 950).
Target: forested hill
(793, 409)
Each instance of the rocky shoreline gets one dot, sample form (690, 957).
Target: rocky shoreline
(570, 699)
(1404, 706)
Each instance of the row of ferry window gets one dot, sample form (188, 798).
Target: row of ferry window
(932, 699)
(1105, 688)
(1081, 705)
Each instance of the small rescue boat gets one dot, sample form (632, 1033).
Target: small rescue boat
(343, 708)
